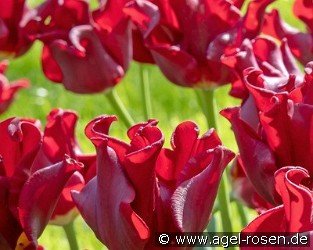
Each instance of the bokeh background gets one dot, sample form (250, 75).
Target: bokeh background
(171, 105)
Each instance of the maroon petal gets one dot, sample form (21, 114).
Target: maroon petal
(258, 161)
(138, 158)
(300, 131)
(301, 44)
(13, 40)
(303, 9)
(38, 200)
(144, 14)
(50, 66)
(10, 228)
(243, 190)
(239, 60)
(184, 143)
(105, 204)
(253, 19)
(276, 125)
(140, 163)
(289, 60)
(270, 221)
(3, 66)
(59, 135)
(80, 62)
(8, 90)
(21, 140)
(98, 129)
(172, 59)
(65, 211)
(200, 190)
(297, 198)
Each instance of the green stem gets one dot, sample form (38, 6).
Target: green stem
(224, 204)
(212, 224)
(71, 236)
(242, 214)
(120, 109)
(145, 91)
(207, 103)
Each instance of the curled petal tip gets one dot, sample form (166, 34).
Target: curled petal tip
(99, 127)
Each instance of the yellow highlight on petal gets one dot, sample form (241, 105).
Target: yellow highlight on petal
(22, 242)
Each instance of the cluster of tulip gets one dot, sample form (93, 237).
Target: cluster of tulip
(127, 192)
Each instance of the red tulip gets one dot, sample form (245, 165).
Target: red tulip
(13, 39)
(59, 140)
(301, 43)
(261, 53)
(191, 36)
(26, 197)
(294, 186)
(189, 176)
(7, 90)
(86, 54)
(273, 128)
(141, 189)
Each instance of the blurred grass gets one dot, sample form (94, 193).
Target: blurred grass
(171, 105)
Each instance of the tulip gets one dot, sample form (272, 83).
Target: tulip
(13, 36)
(190, 37)
(294, 185)
(141, 188)
(301, 43)
(264, 54)
(7, 90)
(189, 175)
(26, 197)
(59, 140)
(86, 52)
(272, 128)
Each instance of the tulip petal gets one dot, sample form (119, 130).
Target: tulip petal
(38, 200)
(77, 62)
(59, 135)
(304, 10)
(193, 199)
(20, 138)
(172, 59)
(297, 198)
(270, 221)
(105, 205)
(9, 226)
(65, 211)
(258, 160)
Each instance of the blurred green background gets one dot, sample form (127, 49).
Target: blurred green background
(171, 105)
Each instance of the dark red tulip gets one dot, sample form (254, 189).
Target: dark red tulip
(294, 186)
(26, 197)
(273, 128)
(58, 140)
(13, 36)
(189, 176)
(301, 43)
(191, 36)
(86, 52)
(8, 90)
(141, 189)
(262, 53)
